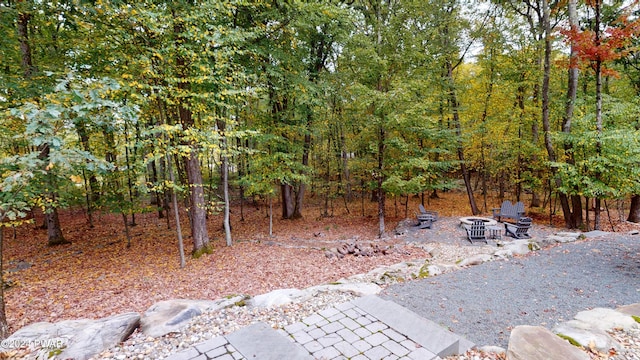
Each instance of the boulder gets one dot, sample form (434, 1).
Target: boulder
(574, 235)
(101, 335)
(279, 297)
(538, 343)
(492, 349)
(503, 254)
(405, 226)
(169, 316)
(631, 310)
(560, 239)
(606, 319)
(475, 260)
(587, 337)
(83, 338)
(437, 269)
(358, 289)
(520, 247)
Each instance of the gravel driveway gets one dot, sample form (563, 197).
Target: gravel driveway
(484, 302)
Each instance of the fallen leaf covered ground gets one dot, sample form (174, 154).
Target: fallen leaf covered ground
(97, 275)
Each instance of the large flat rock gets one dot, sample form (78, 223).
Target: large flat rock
(538, 343)
(83, 338)
(169, 316)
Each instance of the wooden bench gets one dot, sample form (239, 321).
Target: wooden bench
(509, 210)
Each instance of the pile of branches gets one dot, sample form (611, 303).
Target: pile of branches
(357, 249)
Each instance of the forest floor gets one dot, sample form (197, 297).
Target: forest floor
(96, 275)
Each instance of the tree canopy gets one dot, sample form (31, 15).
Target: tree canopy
(249, 99)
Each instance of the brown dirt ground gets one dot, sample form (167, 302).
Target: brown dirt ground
(97, 275)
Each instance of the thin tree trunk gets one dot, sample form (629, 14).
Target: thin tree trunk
(545, 104)
(176, 213)
(90, 183)
(126, 228)
(460, 150)
(129, 180)
(380, 178)
(297, 211)
(4, 327)
(270, 216)
(485, 113)
(87, 197)
(572, 218)
(598, 70)
(225, 181)
(51, 218)
(345, 167)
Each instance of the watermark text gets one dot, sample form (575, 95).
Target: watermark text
(55, 343)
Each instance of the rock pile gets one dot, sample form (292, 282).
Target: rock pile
(357, 249)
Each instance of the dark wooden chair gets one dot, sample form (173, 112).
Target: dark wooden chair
(519, 230)
(476, 231)
(423, 211)
(425, 221)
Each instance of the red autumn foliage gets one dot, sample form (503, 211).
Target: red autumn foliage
(615, 42)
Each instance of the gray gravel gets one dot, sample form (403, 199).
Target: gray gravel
(484, 302)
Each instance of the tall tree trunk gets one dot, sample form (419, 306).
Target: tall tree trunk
(176, 212)
(634, 211)
(484, 175)
(129, 180)
(198, 207)
(197, 210)
(598, 70)
(288, 205)
(572, 218)
(91, 182)
(545, 97)
(4, 327)
(224, 167)
(297, 211)
(54, 232)
(51, 218)
(346, 177)
(26, 61)
(460, 149)
(380, 178)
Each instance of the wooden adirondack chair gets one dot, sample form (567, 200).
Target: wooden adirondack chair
(476, 231)
(519, 230)
(423, 211)
(425, 221)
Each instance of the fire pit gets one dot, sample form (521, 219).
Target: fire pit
(468, 220)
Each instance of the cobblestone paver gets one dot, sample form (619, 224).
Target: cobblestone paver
(345, 331)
